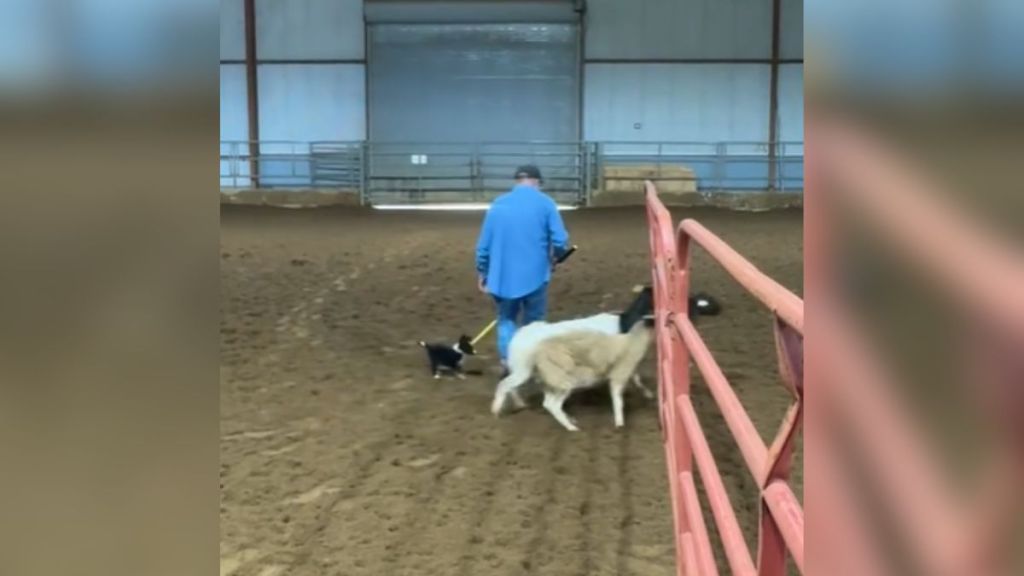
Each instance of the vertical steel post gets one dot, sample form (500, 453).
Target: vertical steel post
(773, 98)
(252, 91)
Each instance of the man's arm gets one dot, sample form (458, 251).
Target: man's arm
(483, 247)
(557, 234)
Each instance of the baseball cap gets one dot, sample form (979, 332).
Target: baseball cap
(528, 171)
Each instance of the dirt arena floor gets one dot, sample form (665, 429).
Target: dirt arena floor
(340, 455)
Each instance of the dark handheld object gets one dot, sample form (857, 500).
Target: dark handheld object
(565, 256)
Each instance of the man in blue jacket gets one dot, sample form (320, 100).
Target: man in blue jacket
(521, 237)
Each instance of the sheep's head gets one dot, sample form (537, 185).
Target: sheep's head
(643, 305)
(645, 323)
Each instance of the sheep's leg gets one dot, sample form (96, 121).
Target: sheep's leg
(644, 389)
(553, 404)
(506, 387)
(616, 390)
(517, 400)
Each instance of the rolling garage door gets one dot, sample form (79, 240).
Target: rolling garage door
(454, 106)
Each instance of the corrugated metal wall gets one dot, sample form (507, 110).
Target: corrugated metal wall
(673, 102)
(791, 103)
(684, 70)
(232, 30)
(652, 70)
(309, 29)
(233, 112)
(234, 123)
(311, 74)
(792, 30)
(694, 71)
(661, 29)
(312, 102)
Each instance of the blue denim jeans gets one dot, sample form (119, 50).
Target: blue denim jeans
(532, 307)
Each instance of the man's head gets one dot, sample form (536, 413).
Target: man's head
(528, 174)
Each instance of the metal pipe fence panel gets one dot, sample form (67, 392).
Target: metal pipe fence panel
(422, 172)
(415, 172)
(711, 166)
(291, 164)
(686, 447)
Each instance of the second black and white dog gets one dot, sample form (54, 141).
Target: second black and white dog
(447, 357)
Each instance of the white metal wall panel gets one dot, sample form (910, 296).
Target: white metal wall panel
(1000, 53)
(653, 29)
(308, 102)
(791, 29)
(232, 30)
(309, 29)
(30, 56)
(234, 123)
(791, 103)
(676, 102)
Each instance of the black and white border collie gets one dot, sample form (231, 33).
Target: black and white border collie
(447, 357)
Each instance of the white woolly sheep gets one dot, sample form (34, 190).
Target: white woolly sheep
(526, 340)
(584, 359)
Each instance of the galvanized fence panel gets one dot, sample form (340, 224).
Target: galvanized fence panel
(419, 172)
(337, 164)
(471, 172)
(716, 166)
(291, 164)
(234, 165)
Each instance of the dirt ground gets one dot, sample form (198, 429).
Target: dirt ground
(340, 455)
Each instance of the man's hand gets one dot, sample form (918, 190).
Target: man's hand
(481, 284)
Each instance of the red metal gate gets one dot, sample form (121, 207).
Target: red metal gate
(782, 520)
(924, 516)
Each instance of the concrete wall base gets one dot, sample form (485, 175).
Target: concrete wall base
(311, 198)
(720, 199)
(291, 198)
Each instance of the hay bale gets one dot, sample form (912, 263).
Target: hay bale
(624, 183)
(648, 172)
